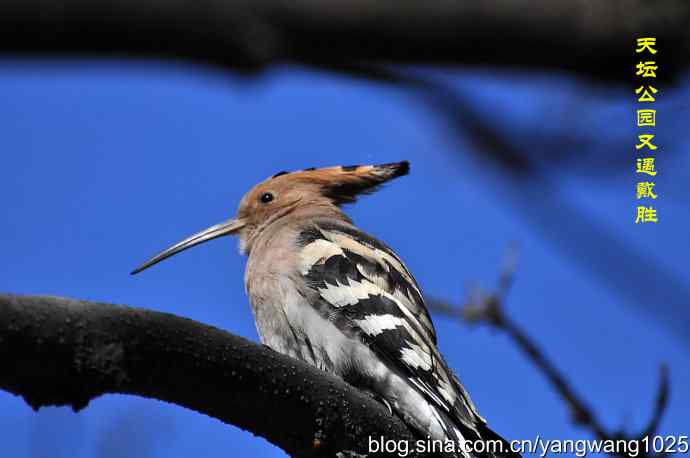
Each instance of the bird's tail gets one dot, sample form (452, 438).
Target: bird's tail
(486, 442)
(478, 442)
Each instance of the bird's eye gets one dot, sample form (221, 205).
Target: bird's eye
(266, 197)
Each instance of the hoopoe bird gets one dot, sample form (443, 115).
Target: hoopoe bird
(325, 292)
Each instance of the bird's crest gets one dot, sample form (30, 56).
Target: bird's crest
(344, 183)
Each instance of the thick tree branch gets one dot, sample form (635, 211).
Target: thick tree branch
(590, 37)
(58, 351)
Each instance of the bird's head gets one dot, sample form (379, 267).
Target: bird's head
(317, 190)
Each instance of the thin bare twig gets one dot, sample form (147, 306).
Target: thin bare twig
(488, 308)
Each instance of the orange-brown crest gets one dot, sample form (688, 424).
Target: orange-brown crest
(339, 184)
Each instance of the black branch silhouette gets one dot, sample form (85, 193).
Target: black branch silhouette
(582, 36)
(487, 308)
(60, 351)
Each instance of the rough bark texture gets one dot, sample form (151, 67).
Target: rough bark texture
(591, 37)
(59, 351)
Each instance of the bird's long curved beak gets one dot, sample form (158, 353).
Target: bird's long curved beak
(228, 227)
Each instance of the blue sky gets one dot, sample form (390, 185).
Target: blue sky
(107, 162)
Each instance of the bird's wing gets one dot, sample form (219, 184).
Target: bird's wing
(366, 288)
(375, 261)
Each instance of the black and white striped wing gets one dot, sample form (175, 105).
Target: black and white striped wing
(366, 289)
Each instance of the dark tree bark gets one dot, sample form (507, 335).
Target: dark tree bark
(590, 37)
(58, 351)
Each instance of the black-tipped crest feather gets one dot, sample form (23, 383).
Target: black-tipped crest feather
(350, 181)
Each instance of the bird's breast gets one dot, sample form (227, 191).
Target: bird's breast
(287, 323)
